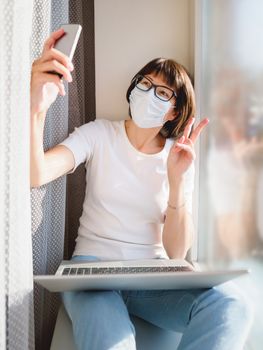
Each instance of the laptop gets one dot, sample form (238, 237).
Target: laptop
(133, 275)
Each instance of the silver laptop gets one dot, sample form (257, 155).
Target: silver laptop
(133, 274)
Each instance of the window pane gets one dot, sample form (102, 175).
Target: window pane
(231, 170)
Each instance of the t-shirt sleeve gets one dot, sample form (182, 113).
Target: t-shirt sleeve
(81, 142)
(189, 179)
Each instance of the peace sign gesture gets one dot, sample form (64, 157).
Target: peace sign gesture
(182, 153)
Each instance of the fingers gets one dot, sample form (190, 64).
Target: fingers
(188, 127)
(51, 78)
(185, 147)
(180, 140)
(50, 42)
(54, 61)
(58, 56)
(186, 143)
(196, 132)
(55, 66)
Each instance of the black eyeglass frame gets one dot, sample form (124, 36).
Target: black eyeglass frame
(139, 78)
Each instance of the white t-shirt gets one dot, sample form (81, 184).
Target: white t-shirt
(126, 193)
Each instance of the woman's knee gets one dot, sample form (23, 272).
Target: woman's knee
(234, 296)
(92, 304)
(95, 317)
(105, 308)
(229, 304)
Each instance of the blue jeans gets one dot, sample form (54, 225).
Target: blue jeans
(212, 319)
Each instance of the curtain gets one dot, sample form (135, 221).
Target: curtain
(82, 109)
(48, 201)
(52, 215)
(16, 277)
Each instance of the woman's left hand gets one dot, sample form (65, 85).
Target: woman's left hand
(182, 153)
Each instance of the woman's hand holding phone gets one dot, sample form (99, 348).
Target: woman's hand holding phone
(45, 85)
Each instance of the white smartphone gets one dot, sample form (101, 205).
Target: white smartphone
(68, 42)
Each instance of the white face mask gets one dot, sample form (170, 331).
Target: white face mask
(147, 110)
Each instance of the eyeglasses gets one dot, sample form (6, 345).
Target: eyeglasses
(162, 92)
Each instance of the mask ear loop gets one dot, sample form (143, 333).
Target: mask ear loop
(134, 81)
(171, 107)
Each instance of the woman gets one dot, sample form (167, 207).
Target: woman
(137, 205)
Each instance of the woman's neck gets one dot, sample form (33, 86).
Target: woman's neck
(144, 140)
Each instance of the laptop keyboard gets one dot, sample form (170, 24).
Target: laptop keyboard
(67, 271)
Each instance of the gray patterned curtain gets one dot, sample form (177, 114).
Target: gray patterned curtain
(82, 109)
(57, 206)
(48, 201)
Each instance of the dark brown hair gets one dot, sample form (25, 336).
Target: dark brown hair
(177, 77)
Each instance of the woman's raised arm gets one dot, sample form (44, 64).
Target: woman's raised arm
(45, 86)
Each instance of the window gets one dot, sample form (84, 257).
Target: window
(229, 72)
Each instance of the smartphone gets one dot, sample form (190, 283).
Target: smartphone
(68, 42)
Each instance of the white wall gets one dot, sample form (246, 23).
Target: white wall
(128, 34)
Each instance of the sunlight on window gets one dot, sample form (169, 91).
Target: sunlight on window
(231, 178)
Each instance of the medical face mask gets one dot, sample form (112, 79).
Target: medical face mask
(147, 110)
